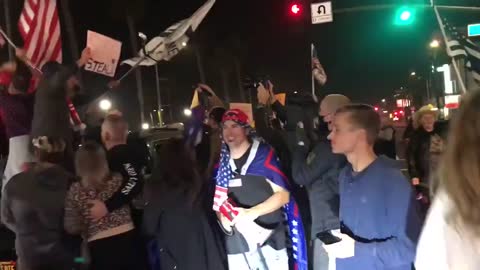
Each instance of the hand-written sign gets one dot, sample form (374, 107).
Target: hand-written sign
(105, 54)
(7, 266)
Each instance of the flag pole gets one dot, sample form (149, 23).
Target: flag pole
(454, 63)
(12, 45)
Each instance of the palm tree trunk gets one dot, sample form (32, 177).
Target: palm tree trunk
(8, 23)
(238, 72)
(225, 86)
(72, 37)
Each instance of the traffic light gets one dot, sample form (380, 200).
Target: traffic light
(404, 16)
(295, 9)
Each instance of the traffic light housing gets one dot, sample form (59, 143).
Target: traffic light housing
(404, 15)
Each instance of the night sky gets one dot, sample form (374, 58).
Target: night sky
(365, 56)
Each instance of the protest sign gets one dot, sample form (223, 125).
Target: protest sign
(7, 266)
(105, 54)
(282, 97)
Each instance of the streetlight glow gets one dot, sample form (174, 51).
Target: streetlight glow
(105, 105)
(187, 112)
(145, 126)
(434, 44)
(184, 44)
(413, 73)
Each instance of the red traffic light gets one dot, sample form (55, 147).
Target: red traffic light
(295, 9)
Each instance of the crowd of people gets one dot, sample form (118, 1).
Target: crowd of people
(299, 186)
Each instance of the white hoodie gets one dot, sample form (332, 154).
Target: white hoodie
(444, 246)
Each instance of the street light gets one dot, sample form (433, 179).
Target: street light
(105, 105)
(145, 126)
(187, 112)
(384, 100)
(184, 44)
(413, 73)
(434, 44)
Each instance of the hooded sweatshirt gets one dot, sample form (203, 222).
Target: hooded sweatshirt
(33, 207)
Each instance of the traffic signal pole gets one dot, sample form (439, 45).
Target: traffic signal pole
(436, 9)
(389, 6)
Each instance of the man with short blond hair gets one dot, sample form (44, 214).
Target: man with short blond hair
(318, 171)
(121, 159)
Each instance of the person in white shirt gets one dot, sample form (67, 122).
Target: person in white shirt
(451, 236)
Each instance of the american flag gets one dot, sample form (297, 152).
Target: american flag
(224, 175)
(39, 26)
(460, 46)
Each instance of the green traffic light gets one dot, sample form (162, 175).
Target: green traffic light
(404, 16)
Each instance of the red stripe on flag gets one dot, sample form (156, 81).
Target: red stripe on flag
(57, 52)
(29, 42)
(40, 44)
(41, 31)
(51, 32)
(31, 22)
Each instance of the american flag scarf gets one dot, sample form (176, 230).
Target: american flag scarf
(265, 163)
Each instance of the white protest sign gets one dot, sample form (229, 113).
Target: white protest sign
(105, 54)
(322, 13)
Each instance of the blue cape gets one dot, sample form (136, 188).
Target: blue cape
(266, 164)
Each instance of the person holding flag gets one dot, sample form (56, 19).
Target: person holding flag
(251, 192)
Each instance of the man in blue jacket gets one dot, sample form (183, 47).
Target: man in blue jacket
(380, 221)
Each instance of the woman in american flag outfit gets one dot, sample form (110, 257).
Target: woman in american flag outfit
(253, 202)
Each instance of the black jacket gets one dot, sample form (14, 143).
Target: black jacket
(33, 207)
(318, 171)
(418, 152)
(51, 115)
(130, 163)
(183, 237)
